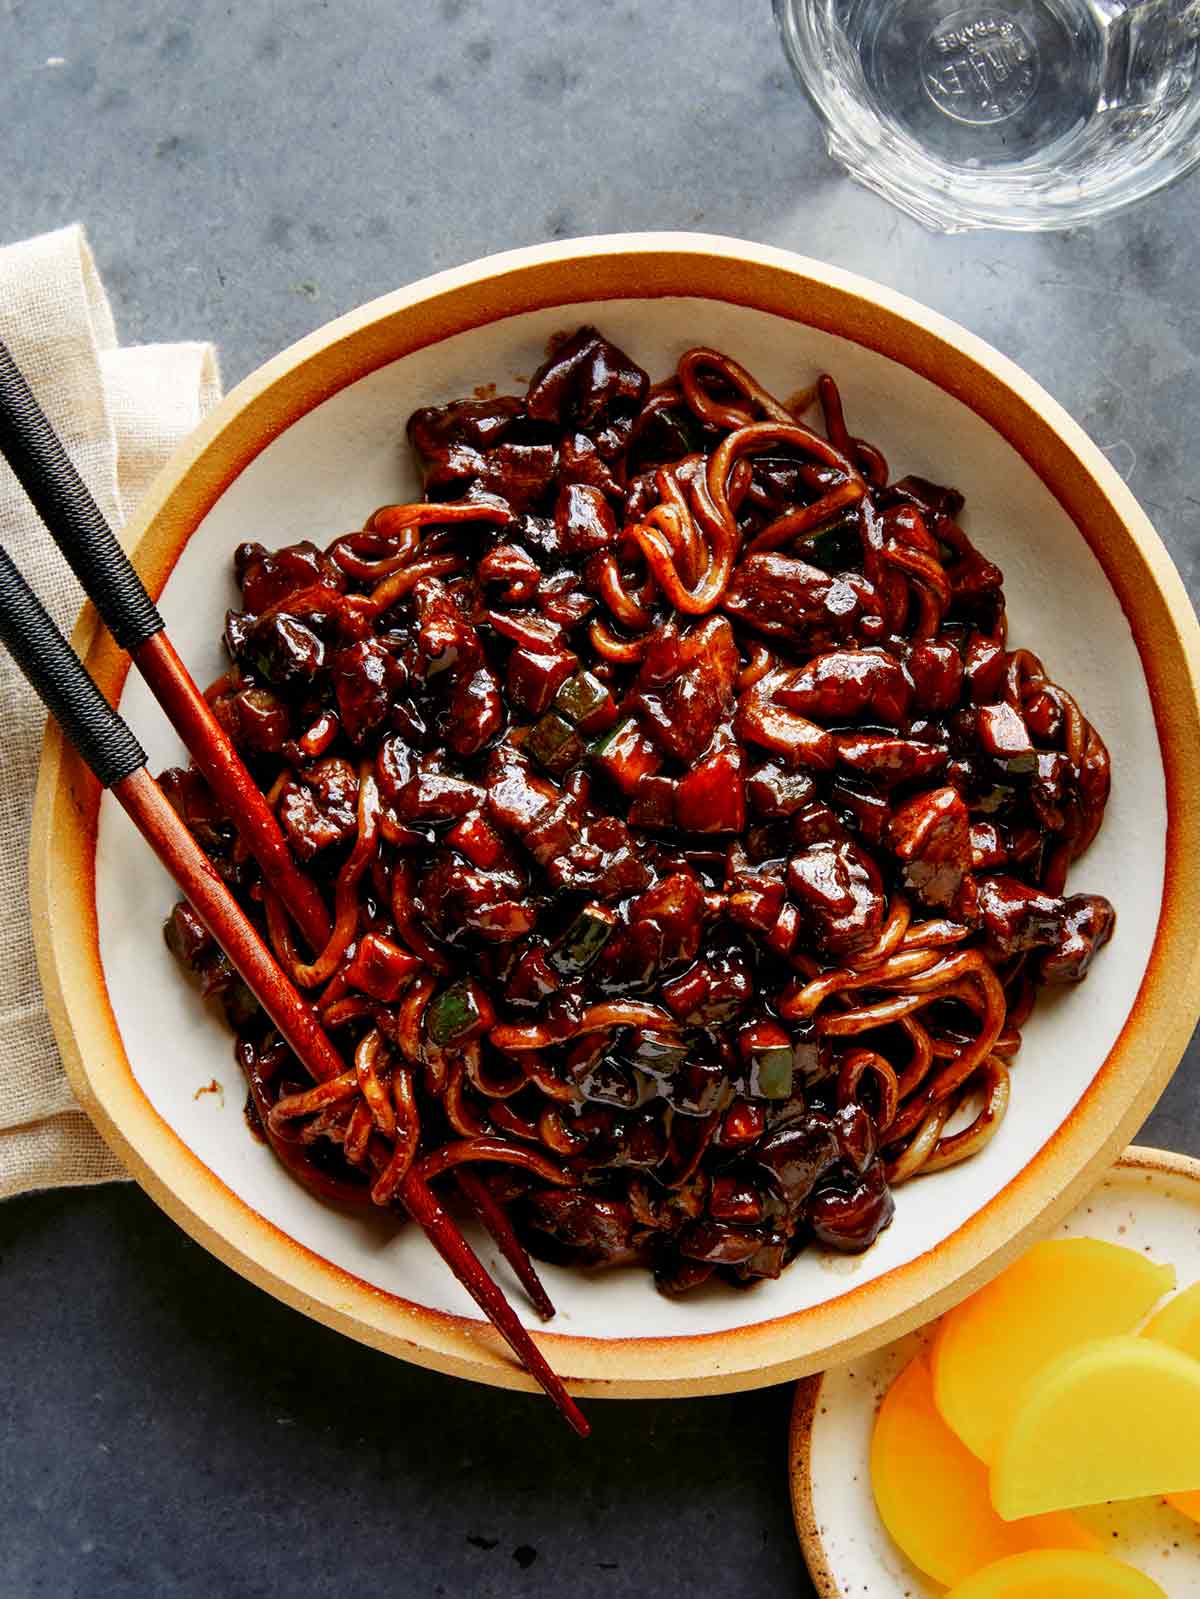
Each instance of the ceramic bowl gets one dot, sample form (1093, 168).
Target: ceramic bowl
(305, 448)
(1149, 1201)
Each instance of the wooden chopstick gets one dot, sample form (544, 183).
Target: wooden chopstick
(78, 527)
(191, 716)
(496, 1219)
(119, 762)
(156, 820)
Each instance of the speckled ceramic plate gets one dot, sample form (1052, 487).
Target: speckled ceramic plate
(306, 447)
(1150, 1201)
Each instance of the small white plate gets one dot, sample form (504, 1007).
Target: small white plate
(1149, 1201)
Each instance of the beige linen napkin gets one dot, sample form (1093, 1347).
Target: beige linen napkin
(120, 412)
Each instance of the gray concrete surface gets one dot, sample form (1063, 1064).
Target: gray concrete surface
(245, 173)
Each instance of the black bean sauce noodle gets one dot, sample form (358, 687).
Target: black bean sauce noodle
(694, 843)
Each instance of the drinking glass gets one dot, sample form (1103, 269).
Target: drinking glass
(1021, 114)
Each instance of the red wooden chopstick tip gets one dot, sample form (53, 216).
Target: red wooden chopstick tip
(496, 1219)
(424, 1207)
(149, 808)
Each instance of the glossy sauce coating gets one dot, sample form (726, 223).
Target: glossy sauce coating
(694, 845)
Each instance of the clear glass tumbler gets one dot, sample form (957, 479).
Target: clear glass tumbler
(1019, 114)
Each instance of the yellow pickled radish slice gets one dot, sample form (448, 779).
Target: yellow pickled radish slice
(1058, 1294)
(1178, 1322)
(932, 1494)
(1058, 1574)
(1115, 1418)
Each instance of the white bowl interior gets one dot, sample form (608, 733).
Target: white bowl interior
(322, 476)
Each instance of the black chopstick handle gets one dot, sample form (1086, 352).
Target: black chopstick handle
(62, 683)
(64, 503)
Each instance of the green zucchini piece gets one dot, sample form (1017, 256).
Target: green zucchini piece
(770, 1060)
(771, 1071)
(835, 547)
(1018, 765)
(660, 1054)
(586, 701)
(554, 744)
(457, 1014)
(583, 940)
